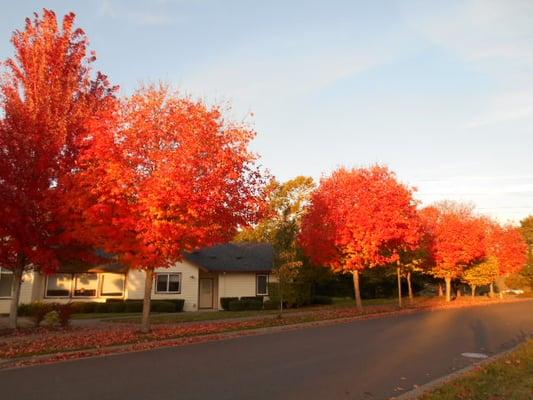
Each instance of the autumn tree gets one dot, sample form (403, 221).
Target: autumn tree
(526, 227)
(280, 227)
(49, 101)
(174, 177)
(457, 240)
(413, 261)
(358, 219)
(508, 245)
(481, 274)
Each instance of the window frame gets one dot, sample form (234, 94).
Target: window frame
(158, 274)
(73, 285)
(101, 284)
(257, 285)
(9, 272)
(69, 296)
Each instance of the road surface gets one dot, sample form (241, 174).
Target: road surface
(373, 359)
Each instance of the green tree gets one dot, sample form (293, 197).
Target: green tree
(280, 228)
(285, 203)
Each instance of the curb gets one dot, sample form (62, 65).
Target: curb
(434, 384)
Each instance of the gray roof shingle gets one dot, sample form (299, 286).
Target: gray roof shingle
(234, 257)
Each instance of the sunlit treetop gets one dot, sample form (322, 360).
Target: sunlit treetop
(360, 218)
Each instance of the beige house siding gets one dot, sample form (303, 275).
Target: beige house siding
(26, 292)
(189, 285)
(225, 284)
(236, 284)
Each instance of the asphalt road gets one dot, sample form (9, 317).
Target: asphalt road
(373, 359)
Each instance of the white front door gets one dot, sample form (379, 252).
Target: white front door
(206, 293)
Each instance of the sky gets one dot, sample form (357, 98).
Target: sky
(440, 91)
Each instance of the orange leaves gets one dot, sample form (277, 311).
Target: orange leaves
(52, 107)
(359, 219)
(172, 176)
(457, 238)
(460, 239)
(509, 246)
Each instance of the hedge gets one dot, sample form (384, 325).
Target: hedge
(322, 300)
(224, 302)
(245, 304)
(37, 310)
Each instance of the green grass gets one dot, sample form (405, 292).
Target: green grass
(509, 378)
(103, 315)
(194, 316)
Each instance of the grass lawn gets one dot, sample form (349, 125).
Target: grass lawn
(104, 315)
(194, 316)
(509, 378)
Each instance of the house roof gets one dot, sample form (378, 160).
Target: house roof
(234, 257)
(105, 262)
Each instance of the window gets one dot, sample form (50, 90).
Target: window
(168, 283)
(261, 285)
(58, 285)
(6, 281)
(85, 285)
(112, 285)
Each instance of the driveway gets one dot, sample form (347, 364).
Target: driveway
(373, 359)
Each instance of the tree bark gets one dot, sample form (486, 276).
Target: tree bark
(15, 296)
(280, 315)
(410, 287)
(473, 287)
(491, 293)
(358, 302)
(440, 291)
(448, 282)
(399, 278)
(149, 279)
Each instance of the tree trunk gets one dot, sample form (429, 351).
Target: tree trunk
(473, 287)
(440, 291)
(448, 282)
(491, 293)
(280, 315)
(410, 287)
(358, 301)
(15, 296)
(399, 278)
(149, 279)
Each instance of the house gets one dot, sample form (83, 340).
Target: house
(201, 279)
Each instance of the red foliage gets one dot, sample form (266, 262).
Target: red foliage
(457, 238)
(509, 246)
(172, 177)
(48, 102)
(360, 218)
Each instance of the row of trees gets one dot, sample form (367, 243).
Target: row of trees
(364, 218)
(145, 178)
(361, 219)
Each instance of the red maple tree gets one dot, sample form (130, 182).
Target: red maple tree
(49, 99)
(458, 239)
(358, 219)
(173, 177)
(508, 245)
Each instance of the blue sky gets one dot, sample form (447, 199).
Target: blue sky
(442, 92)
